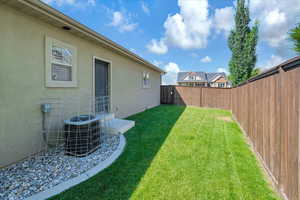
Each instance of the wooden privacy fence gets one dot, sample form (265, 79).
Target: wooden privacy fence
(267, 108)
(196, 96)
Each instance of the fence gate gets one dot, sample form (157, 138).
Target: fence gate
(167, 94)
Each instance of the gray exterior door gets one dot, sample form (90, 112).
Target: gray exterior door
(102, 86)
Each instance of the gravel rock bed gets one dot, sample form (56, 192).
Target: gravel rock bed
(42, 172)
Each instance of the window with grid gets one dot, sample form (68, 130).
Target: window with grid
(221, 84)
(60, 64)
(146, 80)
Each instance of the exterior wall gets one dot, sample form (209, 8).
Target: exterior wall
(215, 84)
(22, 81)
(220, 80)
(202, 84)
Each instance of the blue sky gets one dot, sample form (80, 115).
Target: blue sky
(185, 35)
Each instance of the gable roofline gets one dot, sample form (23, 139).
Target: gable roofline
(218, 77)
(52, 16)
(207, 77)
(189, 74)
(182, 75)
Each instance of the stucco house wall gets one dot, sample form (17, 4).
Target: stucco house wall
(22, 80)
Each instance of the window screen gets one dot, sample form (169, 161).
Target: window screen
(61, 55)
(61, 64)
(61, 72)
(146, 80)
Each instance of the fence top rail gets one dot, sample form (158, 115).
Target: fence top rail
(285, 66)
(195, 87)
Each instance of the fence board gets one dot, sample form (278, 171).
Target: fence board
(268, 110)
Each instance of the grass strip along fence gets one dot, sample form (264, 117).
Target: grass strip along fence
(267, 108)
(179, 153)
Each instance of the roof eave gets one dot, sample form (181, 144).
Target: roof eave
(48, 11)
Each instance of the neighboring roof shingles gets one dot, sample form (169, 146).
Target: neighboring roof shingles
(55, 17)
(205, 77)
(212, 76)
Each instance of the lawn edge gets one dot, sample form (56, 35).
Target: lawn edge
(82, 177)
(266, 172)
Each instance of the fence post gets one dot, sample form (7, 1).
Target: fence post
(201, 100)
(282, 134)
(298, 96)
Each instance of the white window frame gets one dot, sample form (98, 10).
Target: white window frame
(147, 86)
(49, 42)
(222, 85)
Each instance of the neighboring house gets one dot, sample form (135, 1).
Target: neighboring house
(202, 79)
(45, 54)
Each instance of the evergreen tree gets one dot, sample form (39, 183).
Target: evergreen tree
(242, 43)
(295, 36)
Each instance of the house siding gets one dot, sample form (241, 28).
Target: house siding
(22, 81)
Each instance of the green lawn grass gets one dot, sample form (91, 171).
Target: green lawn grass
(177, 152)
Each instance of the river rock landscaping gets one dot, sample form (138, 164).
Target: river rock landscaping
(47, 170)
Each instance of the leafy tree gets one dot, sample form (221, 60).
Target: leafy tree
(229, 77)
(242, 42)
(255, 72)
(295, 36)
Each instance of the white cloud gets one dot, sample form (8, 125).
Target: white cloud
(117, 18)
(223, 20)
(171, 77)
(272, 62)
(145, 8)
(172, 67)
(157, 63)
(157, 47)
(128, 27)
(190, 28)
(206, 59)
(122, 22)
(221, 69)
(276, 19)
